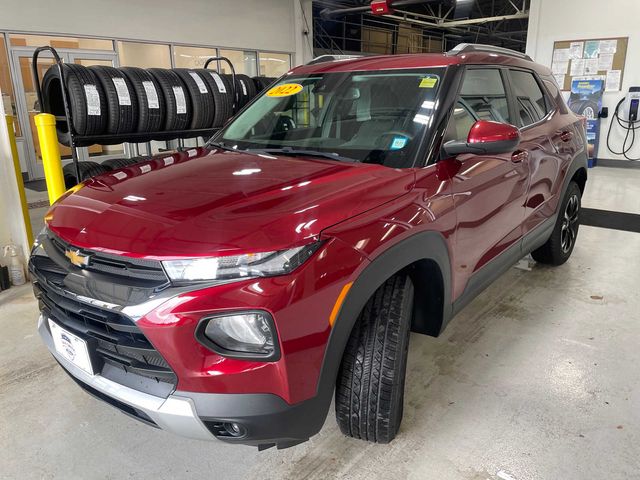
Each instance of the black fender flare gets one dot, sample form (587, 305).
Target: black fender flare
(426, 245)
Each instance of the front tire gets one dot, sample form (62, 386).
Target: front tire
(370, 387)
(559, 247)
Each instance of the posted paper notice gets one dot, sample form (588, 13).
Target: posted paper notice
(591, 66)
(576, 49)
(608, 46)
(613, 80)
(562, 55)
(591, 49)
(605, 62)
(577, 67)
(560, 68)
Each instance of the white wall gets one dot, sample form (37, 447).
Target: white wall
(555, 20)
(250, 24)
(12, 228)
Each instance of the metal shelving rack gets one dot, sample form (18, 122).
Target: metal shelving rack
(78, 141)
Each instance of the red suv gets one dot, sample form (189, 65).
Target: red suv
(227, 291)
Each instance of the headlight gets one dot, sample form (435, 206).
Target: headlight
(265, 264)
(244, 335)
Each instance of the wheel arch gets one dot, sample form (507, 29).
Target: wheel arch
(580, 177)
(421, 255)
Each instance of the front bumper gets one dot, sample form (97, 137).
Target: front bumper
(266, 419)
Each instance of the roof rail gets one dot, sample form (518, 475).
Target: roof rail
(331, 58)
(478, 47)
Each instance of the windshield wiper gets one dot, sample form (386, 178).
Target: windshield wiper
(221, 146)
(301, 151)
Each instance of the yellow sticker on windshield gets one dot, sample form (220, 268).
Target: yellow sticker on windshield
(284, 90)
(428, 82)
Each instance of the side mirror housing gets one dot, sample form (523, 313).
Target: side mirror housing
(486, 138)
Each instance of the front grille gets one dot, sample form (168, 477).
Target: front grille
(117, 266)
(113, 339)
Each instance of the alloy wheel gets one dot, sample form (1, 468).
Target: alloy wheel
(569, 230)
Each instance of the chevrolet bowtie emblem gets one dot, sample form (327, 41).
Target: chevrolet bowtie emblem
(77, 258)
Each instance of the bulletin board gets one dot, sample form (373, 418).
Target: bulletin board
(600, 57)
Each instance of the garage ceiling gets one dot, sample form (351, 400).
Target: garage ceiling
(496, 22)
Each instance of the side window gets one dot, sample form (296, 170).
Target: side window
(531, 102)
(483, 91)
(460, 123)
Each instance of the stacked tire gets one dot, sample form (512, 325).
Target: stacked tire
(115, 102)
(262, 83)
(87, 170)
(86, 99)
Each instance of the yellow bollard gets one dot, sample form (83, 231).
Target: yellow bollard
(46, 126)
(18, 170)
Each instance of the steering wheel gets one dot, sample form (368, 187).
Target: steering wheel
(284, 123)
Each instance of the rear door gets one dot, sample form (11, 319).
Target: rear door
(544, 142)
(489, 190)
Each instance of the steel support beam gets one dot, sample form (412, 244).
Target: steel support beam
(459, 23)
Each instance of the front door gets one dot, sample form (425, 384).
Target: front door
(489, 190)
(28, 107)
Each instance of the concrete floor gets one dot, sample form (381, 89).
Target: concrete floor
(536, 379)
(37, 212)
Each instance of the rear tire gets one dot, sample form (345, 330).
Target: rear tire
(370, 386)
(559, 247)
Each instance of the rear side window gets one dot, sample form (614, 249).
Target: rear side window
(531, 102)
(484, 94)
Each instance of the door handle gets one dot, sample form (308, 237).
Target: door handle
(519, 156)
(566, 136)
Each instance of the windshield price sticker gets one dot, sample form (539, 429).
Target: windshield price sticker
(428, 82)
(285, 90)
(398, 143)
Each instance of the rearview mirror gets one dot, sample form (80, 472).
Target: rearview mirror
(486, 138)
(350, 93)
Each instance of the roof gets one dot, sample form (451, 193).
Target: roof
(420, 60)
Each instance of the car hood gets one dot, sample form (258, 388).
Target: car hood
(212, 202)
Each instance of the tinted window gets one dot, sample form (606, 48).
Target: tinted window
(483, 92)
(531, 103)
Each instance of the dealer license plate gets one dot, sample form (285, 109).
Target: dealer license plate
(71, 347)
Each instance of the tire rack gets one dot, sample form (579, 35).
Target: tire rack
(77, 141)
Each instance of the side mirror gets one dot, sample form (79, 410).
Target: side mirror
(486, 138)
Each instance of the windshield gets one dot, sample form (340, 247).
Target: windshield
(373, 117)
